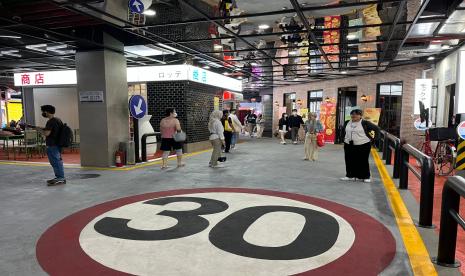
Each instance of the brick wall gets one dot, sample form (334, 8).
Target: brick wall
(192, 101)
(365, 85)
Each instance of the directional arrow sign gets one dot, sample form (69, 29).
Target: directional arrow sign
(136, 6)
(137, 107)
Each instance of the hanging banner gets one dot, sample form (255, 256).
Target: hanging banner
(216, 103)
(423, 92)
(328, 120)
(332, 36)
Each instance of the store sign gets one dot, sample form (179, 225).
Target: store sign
(423, 92)
(91, 96)
(134, 75)
(461, 130)
(46, 78)
(460, 94)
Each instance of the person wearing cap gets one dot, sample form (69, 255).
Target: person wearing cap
(357, 146)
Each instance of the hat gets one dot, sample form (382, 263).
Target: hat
(356, 110)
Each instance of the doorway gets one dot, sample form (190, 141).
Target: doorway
(450, 105)
(346, 99)
(389, 99)
(289, 102)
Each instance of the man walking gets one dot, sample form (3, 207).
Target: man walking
(295, 121)
(52, 132)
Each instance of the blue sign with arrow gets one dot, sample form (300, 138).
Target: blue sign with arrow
(137, 107)
(136, 6)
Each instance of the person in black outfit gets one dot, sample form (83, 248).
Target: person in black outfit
(228, 130)
(358, 136)
(283, 127)
(295, 122)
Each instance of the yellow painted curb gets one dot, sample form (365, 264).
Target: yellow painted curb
(416, 249)
(139, 166)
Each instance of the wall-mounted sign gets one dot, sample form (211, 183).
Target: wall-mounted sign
(137, 106)
(134, 75)
(91, 96)
(423, 92)
(46, 78)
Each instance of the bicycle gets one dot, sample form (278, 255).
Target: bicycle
(444, 156)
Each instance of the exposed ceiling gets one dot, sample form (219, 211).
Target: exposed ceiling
(267, 43)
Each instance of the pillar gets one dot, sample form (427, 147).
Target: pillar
(103, 125)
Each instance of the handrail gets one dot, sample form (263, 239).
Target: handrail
(453, 190)
(381, 140)
(426, 177)
(144, 144)
(393, 143)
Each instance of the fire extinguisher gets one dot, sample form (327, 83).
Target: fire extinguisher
(119, 158)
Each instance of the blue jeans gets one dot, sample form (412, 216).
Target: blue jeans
(234, 138)
(54, 157)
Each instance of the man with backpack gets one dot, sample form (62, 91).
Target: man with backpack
(54, 133)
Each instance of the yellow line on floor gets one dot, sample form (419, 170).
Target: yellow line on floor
(129, 168)
(416, 249)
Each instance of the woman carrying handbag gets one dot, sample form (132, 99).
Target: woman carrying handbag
(171, 131)
(312, 128)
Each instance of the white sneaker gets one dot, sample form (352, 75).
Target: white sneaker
(368, 180)
(347, 178)
(282, 143)
(218, 166)
(295, 142)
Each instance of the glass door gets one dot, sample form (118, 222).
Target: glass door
(346, 99)
(389, 99)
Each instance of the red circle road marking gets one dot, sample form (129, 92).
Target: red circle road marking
(59, 252)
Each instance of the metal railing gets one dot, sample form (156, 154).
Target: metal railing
(392, 143)
(453, 190)
(426, 177)
(380, 141)
(144, 144)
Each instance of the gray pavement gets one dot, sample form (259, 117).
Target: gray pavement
(28, 207)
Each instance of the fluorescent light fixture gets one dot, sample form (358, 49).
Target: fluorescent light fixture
(57, 47)
(431, 58)
(253, 63)
(353, 58)
(149, 12)
(10, 36)
(263, 26)
(445, 47)
(13, 53)
(239, 78)
(351, 36)
(37, 47)
(293, 53)
(142, 50)
(344, 72)
(170, 48)
(206, 67)
(218, 46)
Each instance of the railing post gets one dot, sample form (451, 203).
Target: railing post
(144, 148)
(403, 181)
(397, 160)
(388, 153)
(448, 229)
(385, 146)
(426, 193)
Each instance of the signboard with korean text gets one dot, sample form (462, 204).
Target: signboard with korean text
(157, 73)
(206, 77)
(423, 91)
(46, 78)
(91, 96)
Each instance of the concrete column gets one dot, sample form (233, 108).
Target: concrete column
(103, 125)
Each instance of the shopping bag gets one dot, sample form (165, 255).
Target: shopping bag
(320, 139)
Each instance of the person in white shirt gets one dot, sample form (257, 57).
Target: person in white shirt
(237, 128)
(357, 146)
(216, 136)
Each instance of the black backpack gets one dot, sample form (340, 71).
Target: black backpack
(65, 137)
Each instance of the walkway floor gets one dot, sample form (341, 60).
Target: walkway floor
(345, 235)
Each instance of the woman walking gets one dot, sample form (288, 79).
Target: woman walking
(283, 127)
(216, 136)
(357, 145)
(228, 130)
(312, 127)
(260, 126)
(168, 127)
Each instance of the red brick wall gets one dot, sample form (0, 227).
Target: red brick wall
(365, 85)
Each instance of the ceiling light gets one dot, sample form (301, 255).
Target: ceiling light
(37, 47)
(239, 78)
(351, 36)
(263, 27)
(225, 73)
(463, 31)
(254, 64)
(308, 67)
(218, 46)
(445, 47)
(431, 58)
(293, 53)
(206, 67)
(142, 50)
(12, 53)
(170, 48)
(353, 58)
(57, 47)
(149, 12)
(10, 36)
(344, 72)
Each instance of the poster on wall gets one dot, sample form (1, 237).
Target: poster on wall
(372, 114)
(328, 120)
(216, 103)
(423, 91)
(304, 114)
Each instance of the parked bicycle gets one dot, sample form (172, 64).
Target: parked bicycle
(445, 153)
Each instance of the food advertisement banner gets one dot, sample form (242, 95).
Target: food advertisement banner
(372, 115)
(332, 36)
(328, 120)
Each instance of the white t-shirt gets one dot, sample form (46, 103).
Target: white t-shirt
(356, 133)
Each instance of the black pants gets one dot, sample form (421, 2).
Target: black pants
(227, 140)
(295, 133)
(356, 158)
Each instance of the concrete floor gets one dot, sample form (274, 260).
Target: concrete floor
(28, 207)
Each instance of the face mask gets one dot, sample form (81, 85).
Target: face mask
(294, 113)
(44, 114)
(175, 114)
